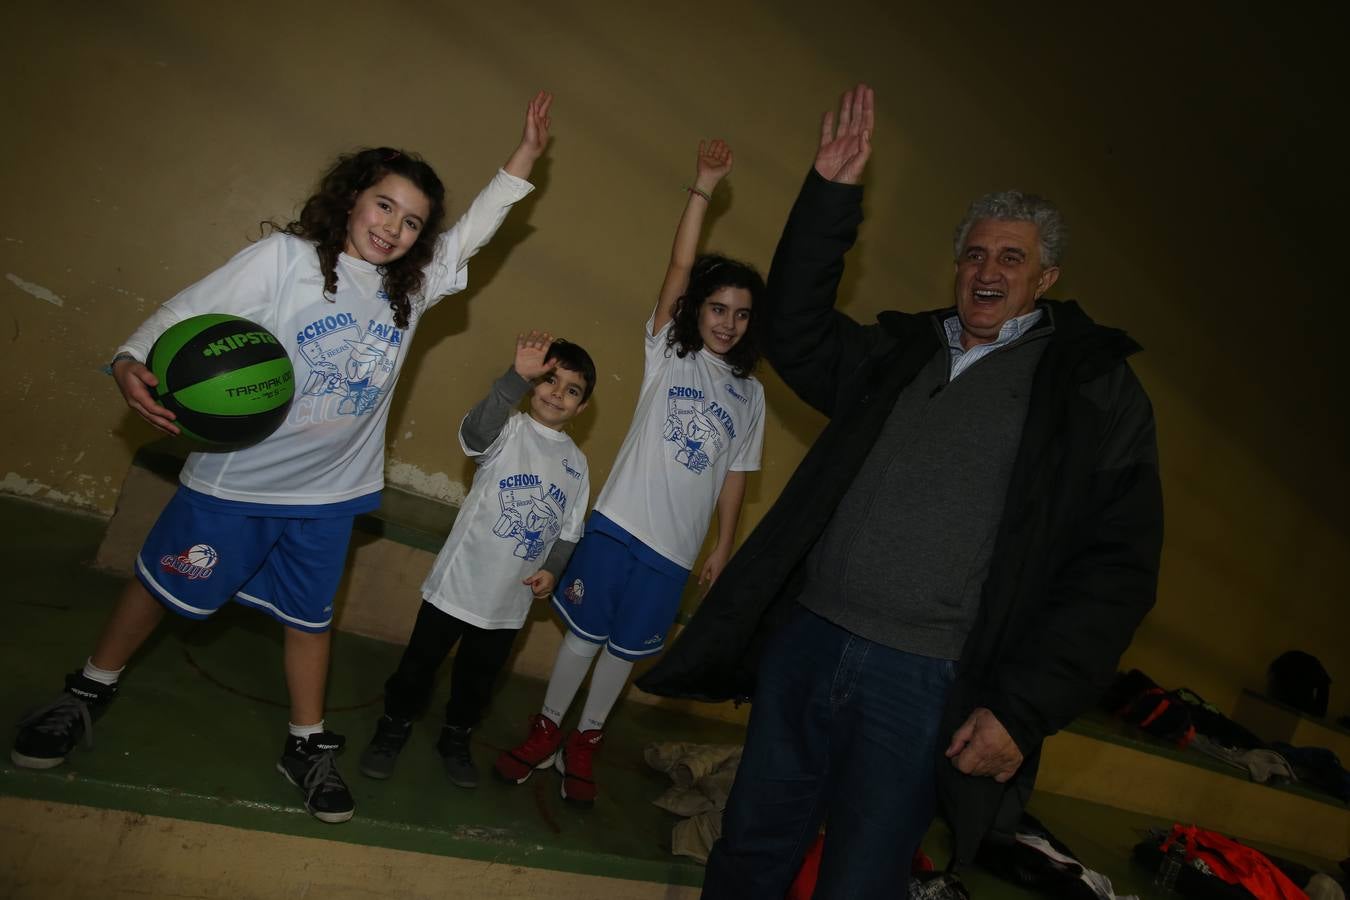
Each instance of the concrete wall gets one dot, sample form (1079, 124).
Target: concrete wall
(143, 143)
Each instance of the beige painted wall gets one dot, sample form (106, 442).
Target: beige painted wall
(144, 141)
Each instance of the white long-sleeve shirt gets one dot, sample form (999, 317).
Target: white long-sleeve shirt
(346, 351)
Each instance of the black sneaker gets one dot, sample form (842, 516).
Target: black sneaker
(308, 763)
(455, 756)
(377, 760)
(48, 734)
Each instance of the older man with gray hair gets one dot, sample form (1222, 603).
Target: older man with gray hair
(955, 568)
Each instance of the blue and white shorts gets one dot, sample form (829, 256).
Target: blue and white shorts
(201, 554)
(618, 591)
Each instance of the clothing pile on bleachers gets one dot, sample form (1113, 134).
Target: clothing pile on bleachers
(1184, 718)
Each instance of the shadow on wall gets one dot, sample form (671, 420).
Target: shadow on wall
(452, 316)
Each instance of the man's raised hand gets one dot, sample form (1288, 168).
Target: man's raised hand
(846, 144)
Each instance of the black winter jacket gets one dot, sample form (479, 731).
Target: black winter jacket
(1075, 564)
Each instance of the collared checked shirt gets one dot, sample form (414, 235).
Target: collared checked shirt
(963, 359)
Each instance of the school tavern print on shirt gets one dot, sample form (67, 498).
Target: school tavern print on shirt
(531, 489)
(694, 422)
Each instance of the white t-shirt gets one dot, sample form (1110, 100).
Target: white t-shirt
(694, 422)
(347, 354)
(531, 488)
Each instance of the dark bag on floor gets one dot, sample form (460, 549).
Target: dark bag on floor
(1138, 700)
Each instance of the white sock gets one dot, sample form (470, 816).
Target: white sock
(304, 731)
(611, 674)
(569, 670)
(102, 676)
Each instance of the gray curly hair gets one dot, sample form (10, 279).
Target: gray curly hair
(1015, 206)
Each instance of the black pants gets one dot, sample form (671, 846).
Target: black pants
(482, 654)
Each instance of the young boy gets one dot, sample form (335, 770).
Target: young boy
(513, 536)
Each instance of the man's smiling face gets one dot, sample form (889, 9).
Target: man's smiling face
(999, 276)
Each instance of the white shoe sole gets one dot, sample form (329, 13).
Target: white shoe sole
(545, 763)
(35, 762)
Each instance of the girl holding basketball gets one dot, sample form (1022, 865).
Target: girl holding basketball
(343, 287)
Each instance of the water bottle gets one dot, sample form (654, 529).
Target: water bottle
(1170, 867)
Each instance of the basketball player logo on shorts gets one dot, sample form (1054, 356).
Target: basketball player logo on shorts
(195, 562)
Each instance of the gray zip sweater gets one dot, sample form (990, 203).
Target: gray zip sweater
(907, 551)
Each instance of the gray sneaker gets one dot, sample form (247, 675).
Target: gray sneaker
(455, 756)
(377, 760)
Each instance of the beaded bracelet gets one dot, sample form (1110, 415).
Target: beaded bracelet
(702, 193)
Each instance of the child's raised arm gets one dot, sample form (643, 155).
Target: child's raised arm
(534, 139)
(459, 243)
(532, 362)
(714, 163)
(488, 416)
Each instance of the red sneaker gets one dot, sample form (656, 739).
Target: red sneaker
(537, 752)
(574, 763)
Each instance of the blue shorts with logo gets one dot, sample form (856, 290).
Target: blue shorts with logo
(203, 552)
(619, 592)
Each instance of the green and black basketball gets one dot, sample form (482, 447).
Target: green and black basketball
(228, 380)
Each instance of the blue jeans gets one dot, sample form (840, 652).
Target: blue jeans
(844, 731)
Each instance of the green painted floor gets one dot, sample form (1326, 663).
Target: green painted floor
(201, 719)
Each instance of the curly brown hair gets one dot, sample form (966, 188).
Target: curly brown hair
(710, 274)
(323, 220)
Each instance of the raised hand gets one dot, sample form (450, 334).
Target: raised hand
(134, 380)
(534, 138)
(845, 146)
(714, 164)
(531, 353)
(537, 122)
